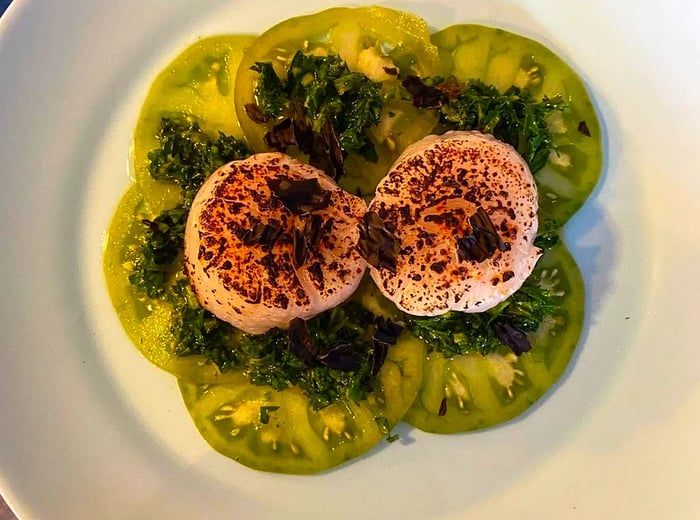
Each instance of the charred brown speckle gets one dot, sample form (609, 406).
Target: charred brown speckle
(438, 267)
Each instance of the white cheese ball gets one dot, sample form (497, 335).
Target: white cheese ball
(427, 202)
(256, 287)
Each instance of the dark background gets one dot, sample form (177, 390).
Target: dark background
(3, 5)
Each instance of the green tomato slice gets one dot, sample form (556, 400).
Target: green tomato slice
(368, 39)
(502, 59)
(197, 84)
(147, 322)
(473, 391)
(278, 431)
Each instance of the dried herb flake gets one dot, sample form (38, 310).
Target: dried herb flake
(301, 344)
(376, 245)
(512, 336)
(583, 129)
(265, 413)
(482, 242)
(443, 407)
(340, 357)
(300, 196)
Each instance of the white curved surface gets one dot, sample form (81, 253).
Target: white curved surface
(88, 429)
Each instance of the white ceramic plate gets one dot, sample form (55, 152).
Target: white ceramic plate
(89, 429)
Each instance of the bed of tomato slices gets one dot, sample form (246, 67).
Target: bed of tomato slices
(211, 82)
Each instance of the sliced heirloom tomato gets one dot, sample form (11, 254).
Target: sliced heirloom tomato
(474, 391)
(368, 39)
(279, 431)
(147, 322)
(197, 84)
(503, 59)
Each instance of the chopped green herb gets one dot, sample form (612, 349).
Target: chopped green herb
(362, 104)
(187, 155)
(514, 117)
(163, 244)
(327, 92)
(267, 358)
(198, 331)
(270, 96)
(311, 80)
(548, 234)
(347, 328)
(265, 413)
(456, 333)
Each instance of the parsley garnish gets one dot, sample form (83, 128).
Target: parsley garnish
(198, 331)
(270, 96)
(548, 234)
(456, 333)
(337, 108)
(514, 117)
(187, 155)
(163, 243)
(268, 360)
